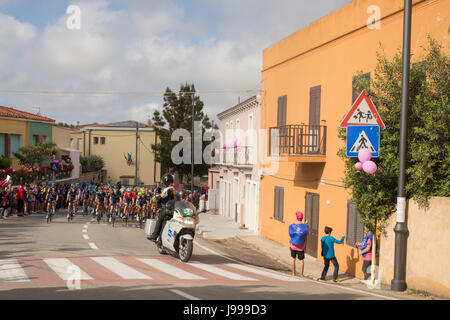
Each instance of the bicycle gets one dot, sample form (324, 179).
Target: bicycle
(49, 215)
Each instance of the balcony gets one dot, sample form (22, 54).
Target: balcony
(298, 143)
(237, 156)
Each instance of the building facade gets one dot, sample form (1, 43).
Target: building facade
(238, 176)
(116, 144)
(21, 129)
(307, 90)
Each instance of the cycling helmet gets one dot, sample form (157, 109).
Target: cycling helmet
(167, 179)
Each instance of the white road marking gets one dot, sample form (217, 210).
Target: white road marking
(321, 283)
(64, 269)
(84, 230)
(263, 273)
(11, 271)
(86, 236)
(120, 268)
(169, 269)
(92, 245)
(183, 294)
(219, 271)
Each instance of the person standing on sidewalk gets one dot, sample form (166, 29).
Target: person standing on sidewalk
(20, 197)
(328, 242)
(298, 233)
(366, 252)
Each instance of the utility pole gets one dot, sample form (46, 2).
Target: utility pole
(399, 281)
(192, 149)
(136, 178)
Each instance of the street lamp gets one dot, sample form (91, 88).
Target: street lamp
(192, 150)
(399, 281)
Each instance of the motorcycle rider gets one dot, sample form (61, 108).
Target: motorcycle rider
(165, 203)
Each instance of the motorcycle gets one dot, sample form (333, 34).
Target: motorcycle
(177, 235)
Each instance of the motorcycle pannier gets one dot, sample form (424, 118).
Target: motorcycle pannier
(150, 226)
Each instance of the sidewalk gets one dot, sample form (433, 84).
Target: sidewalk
(214, 226)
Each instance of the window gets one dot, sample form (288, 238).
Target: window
(38, 139)
(15, 144)
(278, 206)
(79, 144)
(102, 140)
(282, 111)
(355, 230)
(71, 143)
(2, 144)
(95, 140)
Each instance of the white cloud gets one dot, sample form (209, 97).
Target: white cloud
(149, 45)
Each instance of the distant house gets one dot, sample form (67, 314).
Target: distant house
(238, 168)
(116, 144)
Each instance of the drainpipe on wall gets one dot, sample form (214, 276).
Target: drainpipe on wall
(90, 141)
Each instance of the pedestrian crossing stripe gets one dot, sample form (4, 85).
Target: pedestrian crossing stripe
(11, 270)
(361, 143)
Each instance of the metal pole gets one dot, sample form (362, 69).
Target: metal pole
(192, 150)
(399, 281)
(136, 182)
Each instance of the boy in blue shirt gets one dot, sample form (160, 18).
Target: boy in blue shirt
(328, 242)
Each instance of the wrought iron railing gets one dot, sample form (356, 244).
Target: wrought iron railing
(237, 156)
(297, 140)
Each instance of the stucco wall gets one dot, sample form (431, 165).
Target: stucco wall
(428, 248)
(39, 128)
(61, 136)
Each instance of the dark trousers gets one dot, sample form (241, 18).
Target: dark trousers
(327, 265)
(366, 269)
(20, 206)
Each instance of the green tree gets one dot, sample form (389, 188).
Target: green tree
(428, 160)
(91, 163)
(5, 162)
(33, 155)
(177, 113)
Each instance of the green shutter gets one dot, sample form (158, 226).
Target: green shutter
(2, 145)
(15, 144)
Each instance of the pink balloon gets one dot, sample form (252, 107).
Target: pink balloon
(364, 155)
(358, 166)
(369, 167)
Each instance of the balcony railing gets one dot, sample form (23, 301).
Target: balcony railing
(295, 140)
(237, 156)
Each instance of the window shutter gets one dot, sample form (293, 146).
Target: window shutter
(350, 224)
(281, 214)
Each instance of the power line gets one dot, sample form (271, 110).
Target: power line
(123, 93)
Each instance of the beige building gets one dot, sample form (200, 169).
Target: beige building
(116, 144)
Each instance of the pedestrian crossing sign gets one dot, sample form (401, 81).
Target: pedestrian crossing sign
(360, 137)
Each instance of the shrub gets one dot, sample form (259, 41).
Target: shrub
(91, 163)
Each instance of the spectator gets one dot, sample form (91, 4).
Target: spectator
(328, 242)
(298, 233)
(366, 252)
(20, 197)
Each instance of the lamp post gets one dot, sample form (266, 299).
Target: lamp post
(399, 281)
(192, 150)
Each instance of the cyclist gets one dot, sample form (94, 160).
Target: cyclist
(51, 198)
(114, 199)
(141, 203)
(99, 200)
(72, 198)
(128, 201)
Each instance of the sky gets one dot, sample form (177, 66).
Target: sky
(139, 46)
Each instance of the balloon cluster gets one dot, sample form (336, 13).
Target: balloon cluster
(364, 156)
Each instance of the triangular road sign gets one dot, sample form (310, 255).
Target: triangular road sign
(362, 113)
(361, 143)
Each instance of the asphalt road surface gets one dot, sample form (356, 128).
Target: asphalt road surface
(86, 260)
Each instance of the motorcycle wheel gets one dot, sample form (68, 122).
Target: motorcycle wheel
(185, 250)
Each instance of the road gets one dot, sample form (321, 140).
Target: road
(39, 261)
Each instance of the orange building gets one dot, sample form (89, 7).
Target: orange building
(306, 91)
